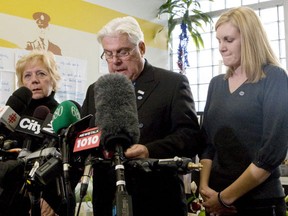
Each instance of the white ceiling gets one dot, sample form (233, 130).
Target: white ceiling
(143, 9)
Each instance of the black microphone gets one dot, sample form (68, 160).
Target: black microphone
(182, 165)
(20, 99)
(41, 112)
(49, 137)
(32, 124)
(116, 116)
(31, 128)
(15, 105)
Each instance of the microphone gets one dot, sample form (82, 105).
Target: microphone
(31, 126)
(181, 165)
(20, 99)
(41, 112)
(47, 130)
(86, 176)
(116, 111)
(116, 116)
(47, 126)
(50, 138)
(9, 118)
(87, 139)
(15, 104)
(66, 123)
(65, 114)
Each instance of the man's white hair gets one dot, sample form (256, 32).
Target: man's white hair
(123, 25)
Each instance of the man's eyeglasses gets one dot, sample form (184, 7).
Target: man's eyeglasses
(122, 54)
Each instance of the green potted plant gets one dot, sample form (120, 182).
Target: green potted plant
(187, 13)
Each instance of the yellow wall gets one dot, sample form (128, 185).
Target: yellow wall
(73, 27)
(76, 14)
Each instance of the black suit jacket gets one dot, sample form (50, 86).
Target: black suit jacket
(167, 119)
(168, 127)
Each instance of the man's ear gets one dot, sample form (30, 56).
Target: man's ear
(142, 48)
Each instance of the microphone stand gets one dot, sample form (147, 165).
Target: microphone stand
(68, 195)
(34, 190)
(123, 200)
(182, 165)
(35, 197)
(70, 134)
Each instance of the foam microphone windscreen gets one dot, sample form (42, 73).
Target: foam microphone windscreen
(116, 111)
(41, 112)
(20, 99)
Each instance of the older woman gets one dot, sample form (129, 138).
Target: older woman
(37, 71)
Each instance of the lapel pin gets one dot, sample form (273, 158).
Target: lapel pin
(140, 92)
(241, 93)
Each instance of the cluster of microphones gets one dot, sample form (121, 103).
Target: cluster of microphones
(63, 134)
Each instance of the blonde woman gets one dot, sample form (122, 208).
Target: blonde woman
(246, 122)
(37, 71)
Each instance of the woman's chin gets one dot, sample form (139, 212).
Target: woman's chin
(37, 96)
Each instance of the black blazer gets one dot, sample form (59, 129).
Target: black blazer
(168, 127)
(167, 119)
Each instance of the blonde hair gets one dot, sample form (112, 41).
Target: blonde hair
(47, 59)
(256, 50)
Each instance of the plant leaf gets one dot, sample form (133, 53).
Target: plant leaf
(179, 12)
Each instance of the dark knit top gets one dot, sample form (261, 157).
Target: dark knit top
(49, 102)
(247, 126)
